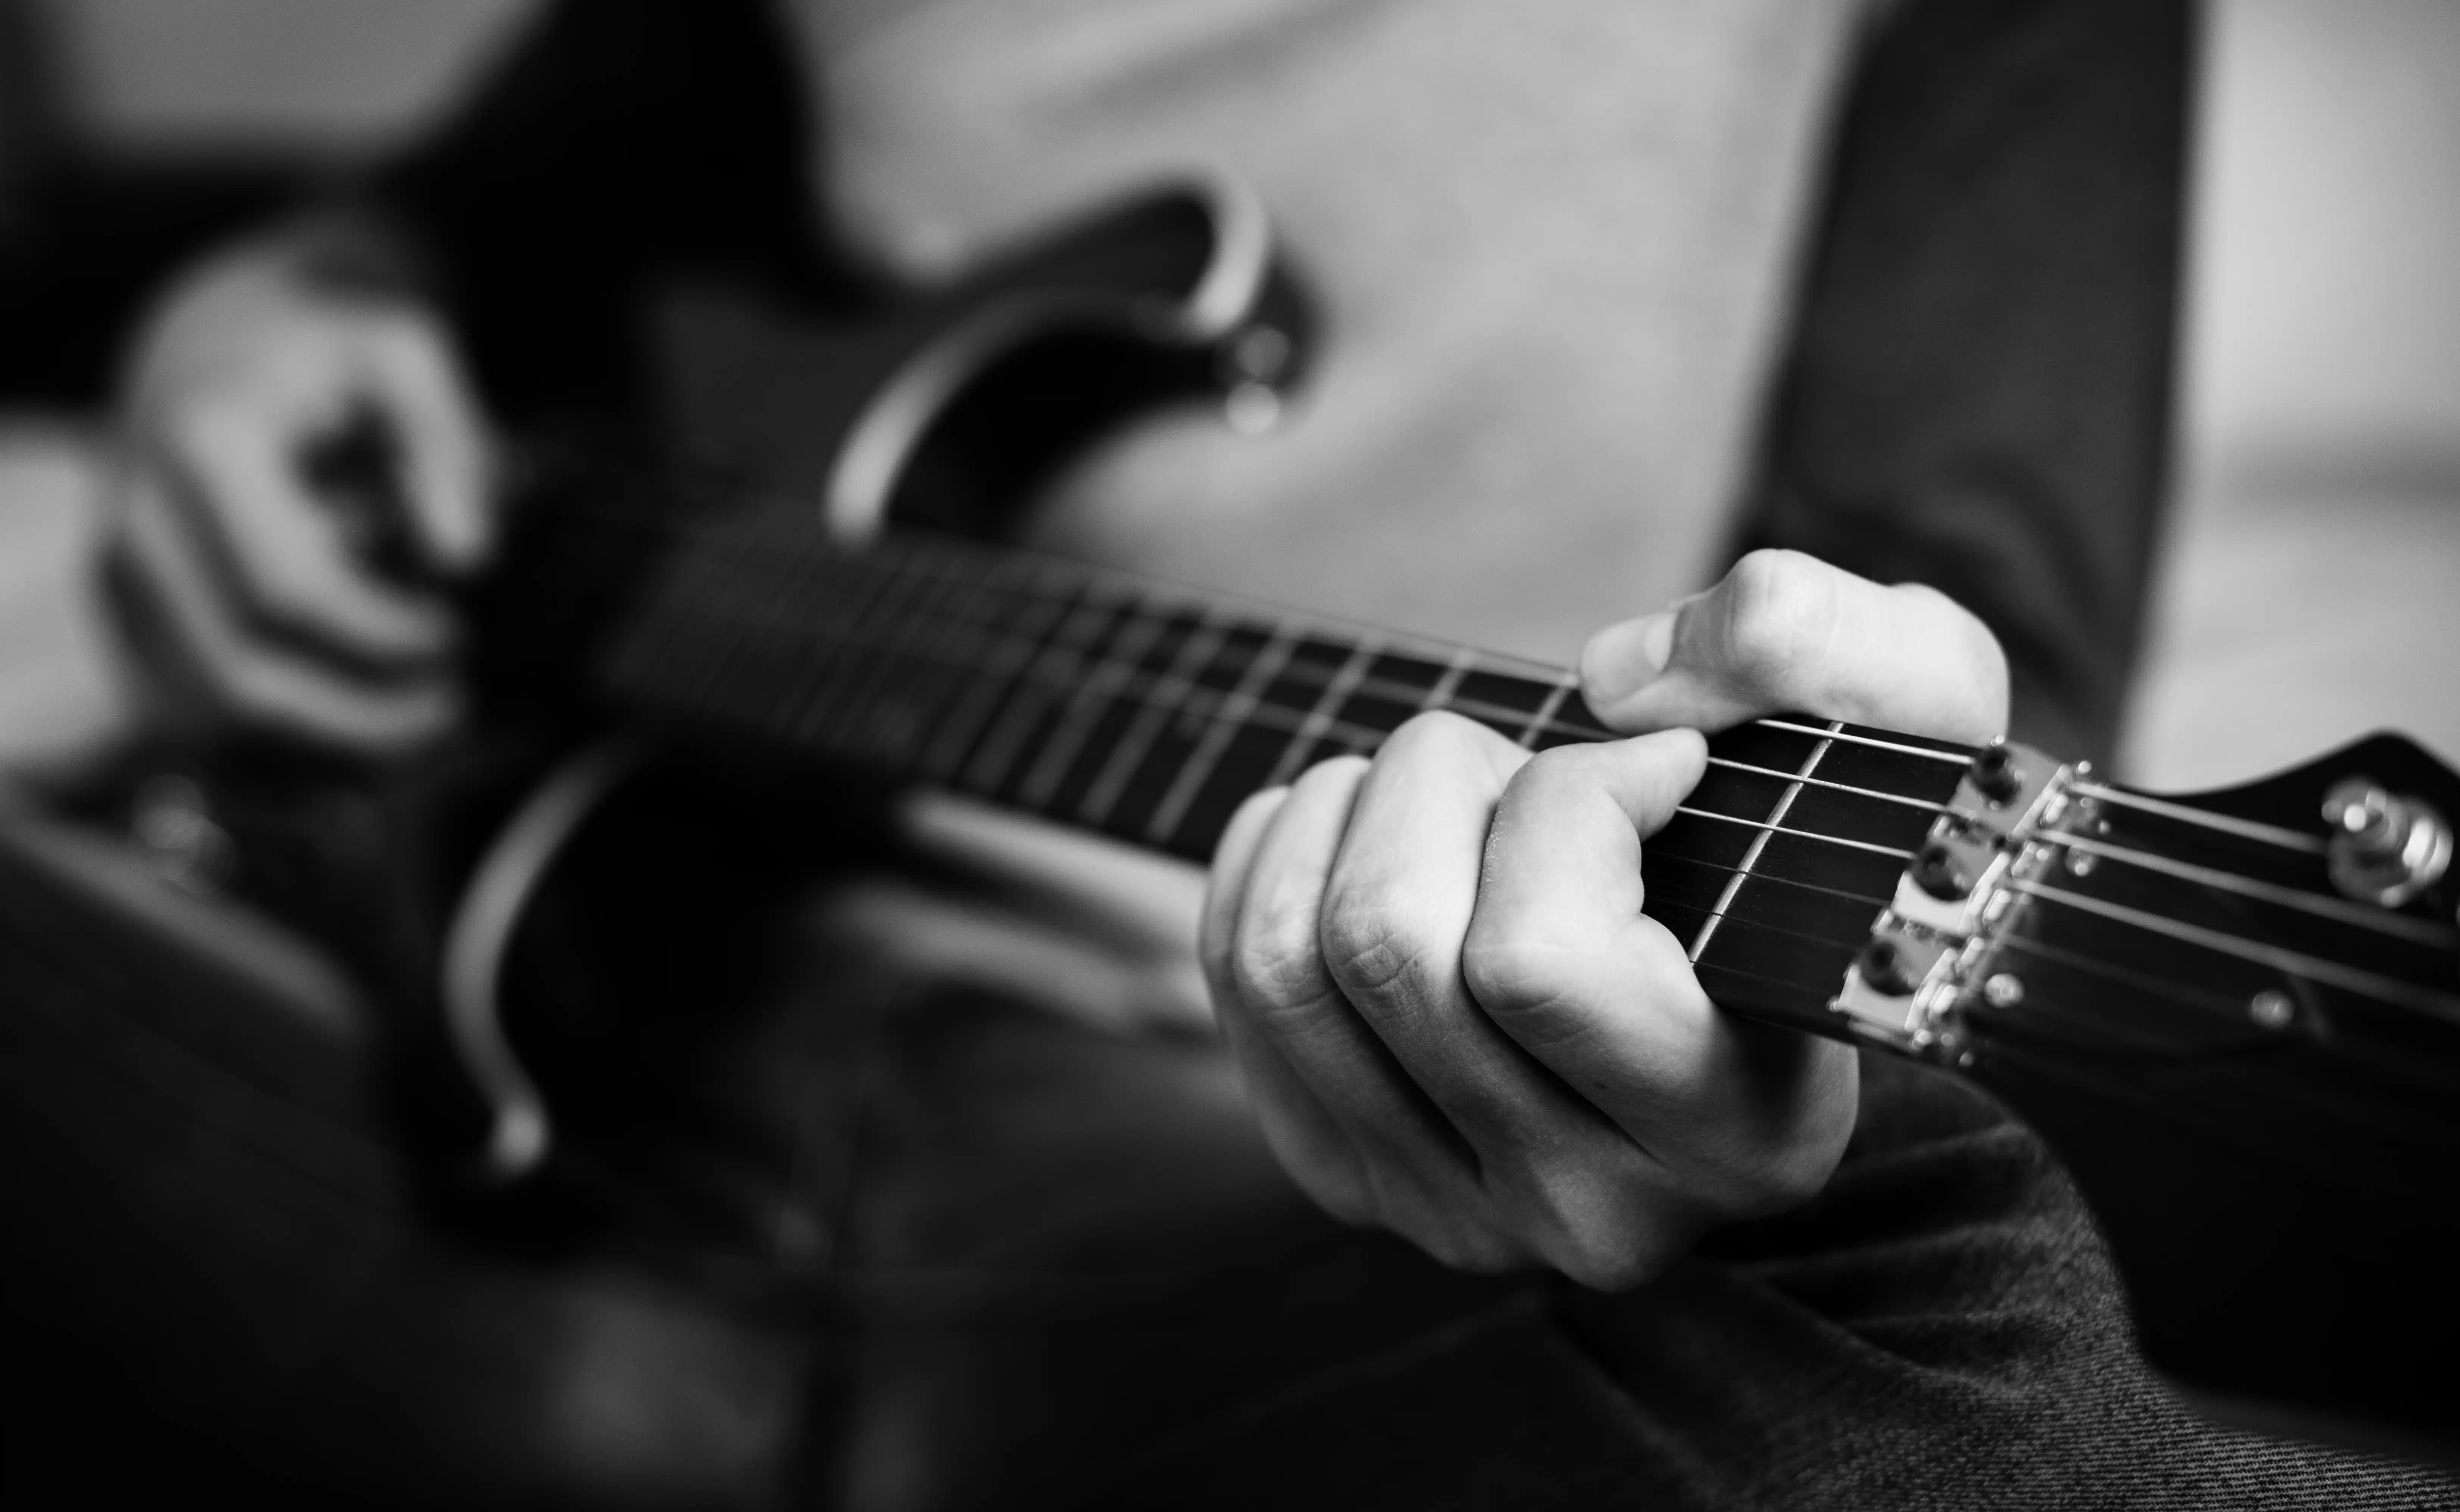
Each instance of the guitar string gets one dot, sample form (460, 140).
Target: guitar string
(1923, 804)
(1282, 719)
(2247, 828)
(1279, 718)
(2204, 997)
(2288, 962)
(1310, 681)
(2005, 1028)
(2392, 924)
(2421, 932)
(1145, 594)
(1139, 598)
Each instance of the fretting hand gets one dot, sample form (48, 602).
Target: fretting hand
(250, 594)
(1454, 1019)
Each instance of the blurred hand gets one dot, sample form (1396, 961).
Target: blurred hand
(1452, 1018)
(249, 588)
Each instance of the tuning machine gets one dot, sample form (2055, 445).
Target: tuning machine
(2386, 848)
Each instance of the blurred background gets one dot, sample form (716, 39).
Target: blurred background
(2311, 590)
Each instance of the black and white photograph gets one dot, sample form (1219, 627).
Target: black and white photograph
(932, 755)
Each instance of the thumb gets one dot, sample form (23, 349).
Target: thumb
(1783, 632)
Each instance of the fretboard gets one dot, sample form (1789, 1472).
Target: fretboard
(1148, 712)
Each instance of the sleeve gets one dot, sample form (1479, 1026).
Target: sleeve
(1977, 394)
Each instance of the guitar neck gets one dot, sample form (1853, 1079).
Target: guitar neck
(1147, 712)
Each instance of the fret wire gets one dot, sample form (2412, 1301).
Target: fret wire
(726, 662)
(694, 663)
(1084, 711)
(1440, 695)
(792, 513)
(893, 681)
(811, 711)
(1540, 720)
(849, 601)
(912, 557)
(1809, 834)
(1874, 743)
(998, 750)
(1774, 981)
(1464, 660)
(1835, 786)
(1280, 717)
(914, 623)
(995, 676)
(943, 681)
(1751, 856)
(1165, 698)
(1234, 713)
(895, 608)
(1778, 879)
(1337, 690)
(1717, 916)
(2291, 963)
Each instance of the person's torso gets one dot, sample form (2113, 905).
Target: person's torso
(1551, 243)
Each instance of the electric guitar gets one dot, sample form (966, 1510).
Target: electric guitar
(2234, 1015)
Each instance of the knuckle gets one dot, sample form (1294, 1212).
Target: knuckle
(1513, 965)
(1551, 773)
(1332, 772)
(1374, 948)
(1779, 611)
(1273, 961)
(1982, 660)
(1433, 732)
(1605, 1266)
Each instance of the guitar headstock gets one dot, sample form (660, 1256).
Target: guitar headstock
(2236, 1016)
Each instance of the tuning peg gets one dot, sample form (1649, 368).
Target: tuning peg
(2386, 848)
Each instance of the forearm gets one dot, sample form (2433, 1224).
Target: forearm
(1978, 392)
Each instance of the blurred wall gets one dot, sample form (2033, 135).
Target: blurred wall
(2324, 332)
(2311, 588)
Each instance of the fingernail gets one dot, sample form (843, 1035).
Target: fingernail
(1623, 658)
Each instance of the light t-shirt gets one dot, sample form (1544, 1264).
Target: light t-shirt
(1552, 241)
